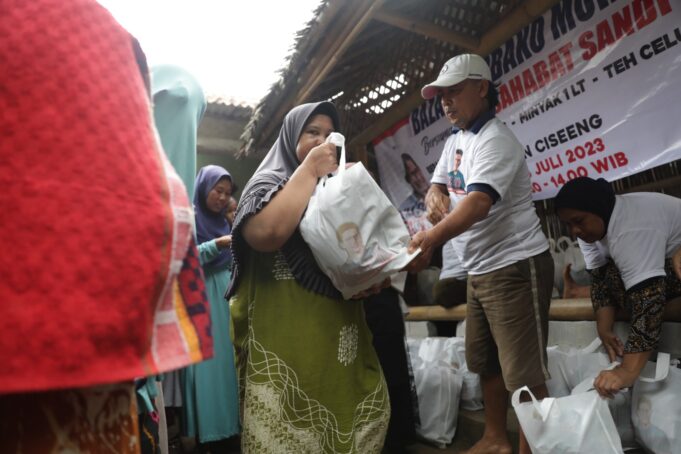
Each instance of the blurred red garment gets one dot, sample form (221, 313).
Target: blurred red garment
(96, 226)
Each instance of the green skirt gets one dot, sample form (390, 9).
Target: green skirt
(310, 379)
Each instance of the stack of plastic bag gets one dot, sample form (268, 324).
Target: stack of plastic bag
(443, 385)
(438, 387)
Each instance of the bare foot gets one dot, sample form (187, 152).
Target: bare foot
(491, 446)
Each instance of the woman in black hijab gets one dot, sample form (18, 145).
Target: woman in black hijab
(629, 242)
(310, 378)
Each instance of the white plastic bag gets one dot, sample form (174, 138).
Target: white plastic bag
(620, 409)
(656, 407)
(452, 351)
(434, 349)
(574, 256)
(356, 235)
(438, 386)
(413, 345)
(557, 384)
(471, 392)
(575, 424)
(558, 265)
(567, 252)
(570, 366)
(443, 385)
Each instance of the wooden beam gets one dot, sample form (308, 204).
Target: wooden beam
(570, 310)
(518, 18)
(369, 35)
(428, 29)
(346, 74)
(436, 313)
(522, 15)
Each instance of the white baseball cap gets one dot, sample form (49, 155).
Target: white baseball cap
(458, 69)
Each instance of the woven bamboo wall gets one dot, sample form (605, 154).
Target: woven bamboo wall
(385, 63)
(381, 65)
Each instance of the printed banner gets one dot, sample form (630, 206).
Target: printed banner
(591, 88)
(407, 155)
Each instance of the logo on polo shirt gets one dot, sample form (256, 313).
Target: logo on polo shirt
(456, 182)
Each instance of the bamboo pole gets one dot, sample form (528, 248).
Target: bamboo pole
(572, 310)
(428, 29)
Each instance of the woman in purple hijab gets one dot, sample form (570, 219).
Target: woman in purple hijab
(211, 399)
(214, 188)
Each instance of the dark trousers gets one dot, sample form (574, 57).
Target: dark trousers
(385, 319)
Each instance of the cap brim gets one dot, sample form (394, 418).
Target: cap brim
(430, 91)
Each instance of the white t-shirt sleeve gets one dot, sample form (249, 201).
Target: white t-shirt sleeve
(451, 263)
(639, 255)
(496, 163)
(594, 257)
(440, 173)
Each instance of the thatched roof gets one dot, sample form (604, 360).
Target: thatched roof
(371, 57)
(228, 108)
(222, 125)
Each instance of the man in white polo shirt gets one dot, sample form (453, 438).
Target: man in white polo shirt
(481, 197)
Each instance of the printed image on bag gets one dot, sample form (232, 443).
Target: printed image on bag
(363, 262)
(656, 406)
